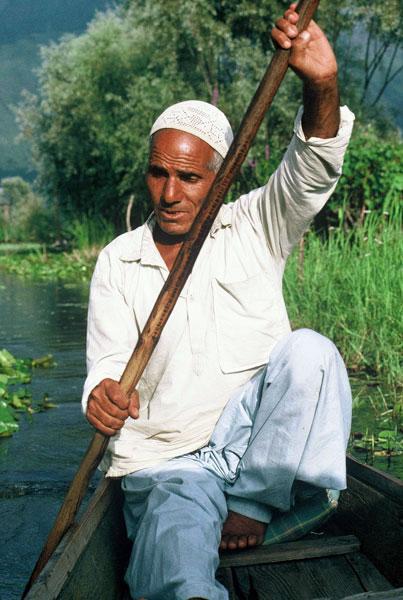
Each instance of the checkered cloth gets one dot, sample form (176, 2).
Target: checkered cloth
(307, 514)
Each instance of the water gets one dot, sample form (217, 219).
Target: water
(37, 463)
(373, 412)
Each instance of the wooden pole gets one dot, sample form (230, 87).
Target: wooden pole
(176, 280)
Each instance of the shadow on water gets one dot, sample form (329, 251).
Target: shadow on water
(38, 463)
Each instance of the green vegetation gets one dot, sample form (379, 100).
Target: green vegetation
(348, 287)
(17, 400)
(73, 266)
(345, 285)
(25, 216)
(377, 427)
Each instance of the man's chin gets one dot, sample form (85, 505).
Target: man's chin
(174, 230)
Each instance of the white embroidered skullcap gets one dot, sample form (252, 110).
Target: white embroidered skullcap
(202, 119)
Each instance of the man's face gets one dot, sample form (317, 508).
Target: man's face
(178, 178)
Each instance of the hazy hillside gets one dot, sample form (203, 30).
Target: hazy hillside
(24, 26)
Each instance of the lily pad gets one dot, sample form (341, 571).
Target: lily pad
(8, 423)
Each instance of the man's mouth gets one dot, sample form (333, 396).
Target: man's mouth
(170, 214)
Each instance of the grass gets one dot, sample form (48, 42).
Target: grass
(349, 288)
(19, 248)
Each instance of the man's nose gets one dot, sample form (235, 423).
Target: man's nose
(171, 191)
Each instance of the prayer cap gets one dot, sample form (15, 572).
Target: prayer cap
(202, 119)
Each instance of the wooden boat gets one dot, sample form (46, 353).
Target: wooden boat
(358, 554)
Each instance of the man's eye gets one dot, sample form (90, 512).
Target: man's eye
(190, 177)
(156, 172)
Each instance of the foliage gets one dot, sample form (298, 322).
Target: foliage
(368, 46)
(371, 181)
(13, 400)
(29, 219)
(75, 266)
(89, 233)
(348, 288)
(100, 92)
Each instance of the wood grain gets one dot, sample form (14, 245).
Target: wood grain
(289, 551)
(376, 520)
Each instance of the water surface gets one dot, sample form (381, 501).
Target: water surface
(38, 462)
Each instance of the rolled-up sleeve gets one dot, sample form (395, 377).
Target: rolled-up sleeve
(111, 334)
(300, 186)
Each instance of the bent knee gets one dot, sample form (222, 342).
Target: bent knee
(309, 348)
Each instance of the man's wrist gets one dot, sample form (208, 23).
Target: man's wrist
(321, 116)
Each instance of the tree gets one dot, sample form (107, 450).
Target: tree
(368, 43)
(29, 218)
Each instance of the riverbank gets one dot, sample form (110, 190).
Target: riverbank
(42, 265)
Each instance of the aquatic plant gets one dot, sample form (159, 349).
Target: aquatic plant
(16, 400)
(76, 266)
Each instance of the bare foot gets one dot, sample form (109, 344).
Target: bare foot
(241, 532)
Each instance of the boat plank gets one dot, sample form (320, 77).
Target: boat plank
(289, 551)
(371, 579)
(395, 594)
(383, 482)
(302, 580)
(80, 563)
(377, 521)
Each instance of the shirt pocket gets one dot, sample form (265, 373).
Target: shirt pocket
(250, 318)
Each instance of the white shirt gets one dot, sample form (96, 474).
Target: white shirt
(228, 317)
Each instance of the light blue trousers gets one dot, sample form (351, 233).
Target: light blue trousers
(290, 423)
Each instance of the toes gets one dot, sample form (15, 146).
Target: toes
(224, 542)
(252, 540)
(237, 542)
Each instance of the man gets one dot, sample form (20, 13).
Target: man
(233, 411)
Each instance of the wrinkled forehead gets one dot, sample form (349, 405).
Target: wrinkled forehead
(172, 145)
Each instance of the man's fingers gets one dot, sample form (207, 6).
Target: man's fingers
(99, 398)
(104, 415)
(291, 16)
(108, 407)
(134, 405)
(95, 422)
(284, 26)
(115, 394)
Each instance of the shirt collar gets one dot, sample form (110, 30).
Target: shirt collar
(143, 249)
